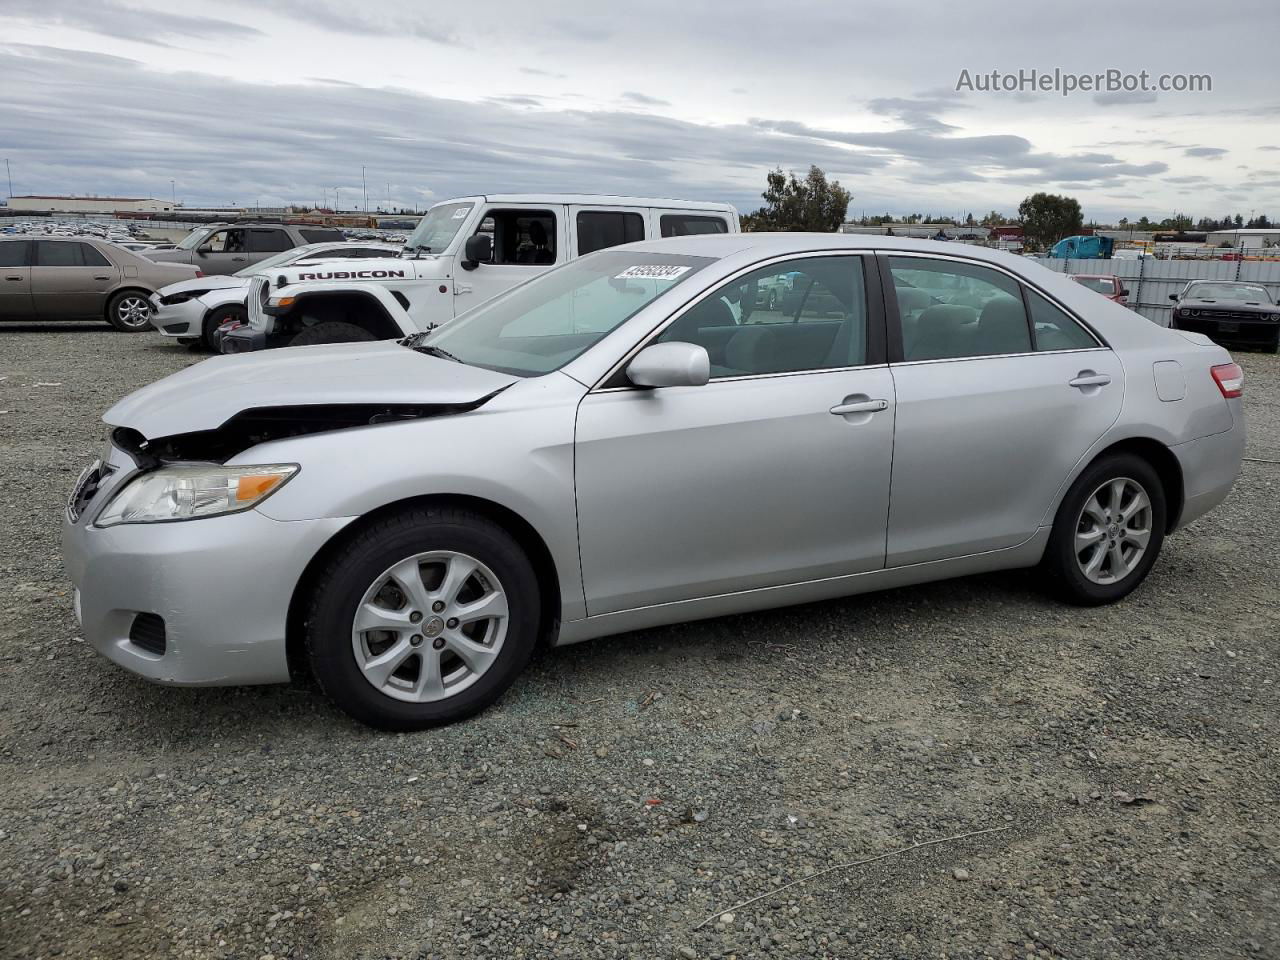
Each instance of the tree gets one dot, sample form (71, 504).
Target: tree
(809, 204)
(1047, 218)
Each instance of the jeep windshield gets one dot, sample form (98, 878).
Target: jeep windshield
(545, 323)
(437, 229)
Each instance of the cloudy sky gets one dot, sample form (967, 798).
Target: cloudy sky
(274, 101)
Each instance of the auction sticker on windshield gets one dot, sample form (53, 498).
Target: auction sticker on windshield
(651, 272)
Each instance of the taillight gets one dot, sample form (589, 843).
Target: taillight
(199, 274)
(1229, 378)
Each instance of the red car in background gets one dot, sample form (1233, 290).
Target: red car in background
(1110, 287)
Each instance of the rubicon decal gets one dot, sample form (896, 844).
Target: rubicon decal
(353, 275)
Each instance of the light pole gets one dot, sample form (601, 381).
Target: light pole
(8, 174)
(365, 185)
(173, 190)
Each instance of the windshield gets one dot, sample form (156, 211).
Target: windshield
(1227, 291)
(1097, 284)
(437, 229)
(541, 325)
(192, 240)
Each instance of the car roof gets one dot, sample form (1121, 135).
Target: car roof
(598, 200)
(722, 245)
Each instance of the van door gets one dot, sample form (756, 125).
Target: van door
(527, 239)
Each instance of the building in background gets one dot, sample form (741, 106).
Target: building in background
(1245, 237)
(55, 204)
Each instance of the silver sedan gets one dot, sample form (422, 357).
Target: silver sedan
(638, 438)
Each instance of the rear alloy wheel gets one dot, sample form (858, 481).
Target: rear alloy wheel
(331, 332)
(216, 318)
(1108, 531)
(129, 311)
(423, 619)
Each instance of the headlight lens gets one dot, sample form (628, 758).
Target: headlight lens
(191, 492)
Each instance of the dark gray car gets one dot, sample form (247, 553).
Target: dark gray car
(224, 248)
(1229, 311)
(81, 278)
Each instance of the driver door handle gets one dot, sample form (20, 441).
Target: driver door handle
(859, 406)
(1089, 379)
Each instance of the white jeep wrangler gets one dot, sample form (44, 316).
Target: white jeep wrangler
(463, 252)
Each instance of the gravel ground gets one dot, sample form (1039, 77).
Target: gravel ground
(628, 789)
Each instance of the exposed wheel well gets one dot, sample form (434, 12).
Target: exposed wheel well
(360, 309)
(539, 555)
(111, 297)
(1166, 467)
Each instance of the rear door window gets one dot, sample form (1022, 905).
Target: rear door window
(1055, 329)
(268, 240)
(13, 253)
(58, 253)
(598, 229)
(686, 224)
(93, 257)
(949, 309)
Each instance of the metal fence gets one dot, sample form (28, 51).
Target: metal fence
(1151, 281)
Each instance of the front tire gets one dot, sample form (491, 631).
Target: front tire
(1108, 531)
(129, 311)
(216, 318)
(424, 618)
(331, 332)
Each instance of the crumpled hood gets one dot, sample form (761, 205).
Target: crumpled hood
(203, 283)
(208, 394)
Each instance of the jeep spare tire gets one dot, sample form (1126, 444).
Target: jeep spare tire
(334, 332)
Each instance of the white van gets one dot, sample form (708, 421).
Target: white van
(462, 253)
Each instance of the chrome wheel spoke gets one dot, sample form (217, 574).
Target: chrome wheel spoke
(476, 656)
(458, 571)
(488, 607)
(1087, 538)
(1095, 511)
(1138, 503)
(430, 682)
(1137, 538)
(373, 617)
(408, 577)
(378, 670)
(1093, 566)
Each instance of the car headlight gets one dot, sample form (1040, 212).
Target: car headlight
(192, 492)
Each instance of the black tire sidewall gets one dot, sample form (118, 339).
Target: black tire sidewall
(331, 332)
(113, 307)
(1060, 559)
(352, 571)
(216, 318)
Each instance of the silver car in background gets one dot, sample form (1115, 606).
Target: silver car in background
(638, 438)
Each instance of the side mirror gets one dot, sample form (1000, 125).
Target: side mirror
(204, 249)
(1124, 291)
(670, 365)
(1173, 296)
(478, 250)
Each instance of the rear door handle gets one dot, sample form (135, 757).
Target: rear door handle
(1089, 379)
(860, 406)
(102, 278)
(13, 278)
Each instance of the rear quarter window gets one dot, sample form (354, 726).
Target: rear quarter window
(320, 235)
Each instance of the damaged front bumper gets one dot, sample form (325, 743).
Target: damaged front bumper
(193, 602)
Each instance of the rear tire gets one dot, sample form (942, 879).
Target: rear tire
(1108, 531)
(418, 666)
(332, 332)
(129, 311)
(216, 318)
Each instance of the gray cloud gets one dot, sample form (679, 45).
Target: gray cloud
(1209, 153)
(1124, 97)
(644, 99)
(112, 19)
(365, 19)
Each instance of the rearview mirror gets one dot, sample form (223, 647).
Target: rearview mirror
(478, 250)
(670, 365)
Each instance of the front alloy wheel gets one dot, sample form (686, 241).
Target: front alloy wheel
(422, 617)
(430, 626)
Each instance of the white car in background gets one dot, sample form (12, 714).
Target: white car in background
(193, 310)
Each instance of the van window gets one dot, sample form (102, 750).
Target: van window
(598, 229)
(525, 237)
(318, 235)
(685, 224)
